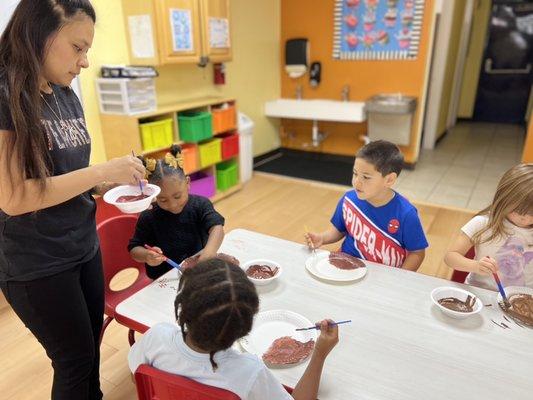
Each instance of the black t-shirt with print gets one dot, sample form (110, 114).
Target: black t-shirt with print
(57, 238)
(178, 235)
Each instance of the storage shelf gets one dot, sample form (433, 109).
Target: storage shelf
(233, 130)
(185, 105)
(167, 148)
(122, 134)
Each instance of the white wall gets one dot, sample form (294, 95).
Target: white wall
(6, 9)
(460, 64)
(438, 68)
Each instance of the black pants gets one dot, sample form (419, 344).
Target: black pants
(65, 313)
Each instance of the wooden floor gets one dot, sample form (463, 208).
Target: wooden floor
(276, 206)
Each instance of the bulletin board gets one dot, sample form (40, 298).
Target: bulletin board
(377, 29)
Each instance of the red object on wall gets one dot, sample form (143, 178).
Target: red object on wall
(219, 73)
(230, 146)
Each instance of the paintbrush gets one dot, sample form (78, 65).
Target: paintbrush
(168, 260)
(329, 323)
(313, 248)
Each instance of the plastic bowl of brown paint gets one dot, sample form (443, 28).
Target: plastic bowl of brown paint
(452, 301)
(128, 198)
(268, 265)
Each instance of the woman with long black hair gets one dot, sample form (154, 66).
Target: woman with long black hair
(50, 264)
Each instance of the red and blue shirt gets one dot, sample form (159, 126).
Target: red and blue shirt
(382, 234)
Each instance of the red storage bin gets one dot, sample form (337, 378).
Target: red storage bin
(230, 146)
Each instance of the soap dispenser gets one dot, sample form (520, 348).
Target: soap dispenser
(314, 74)
(296, 57)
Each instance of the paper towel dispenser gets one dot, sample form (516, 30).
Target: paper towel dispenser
(296, 57)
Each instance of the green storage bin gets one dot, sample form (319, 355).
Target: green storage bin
(227, 175)
(195, 126)
(210, 152)
(157, 134)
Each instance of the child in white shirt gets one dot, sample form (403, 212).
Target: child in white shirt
(215, 306)
(502, 235)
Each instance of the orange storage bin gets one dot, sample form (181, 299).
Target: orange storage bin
(190, 157)
(224, 119)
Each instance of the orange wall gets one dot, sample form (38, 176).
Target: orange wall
(313, 19)
(528, 146)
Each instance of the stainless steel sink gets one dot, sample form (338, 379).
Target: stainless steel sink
(391, 104)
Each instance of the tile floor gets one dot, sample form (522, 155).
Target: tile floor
(464, 168)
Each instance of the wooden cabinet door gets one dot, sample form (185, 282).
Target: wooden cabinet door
(216, 29)
(178, 31)
(140, 22)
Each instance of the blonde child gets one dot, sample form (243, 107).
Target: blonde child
(377, 223)
(502, 235)
(215, 306)
(180, 225)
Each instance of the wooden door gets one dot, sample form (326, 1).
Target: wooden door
(216, 29)
(178, 29)
(140, 23)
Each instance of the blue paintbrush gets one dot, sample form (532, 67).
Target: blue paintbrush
(330, 324)
(502, 291)
(168, 260)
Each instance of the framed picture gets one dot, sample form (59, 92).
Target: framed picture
(377, 29)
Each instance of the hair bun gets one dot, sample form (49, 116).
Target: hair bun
(175, 149)
(150, 164)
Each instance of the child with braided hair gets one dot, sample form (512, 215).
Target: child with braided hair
(180, 224)
(215, 306)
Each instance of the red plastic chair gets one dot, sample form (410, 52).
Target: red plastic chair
(460, 276)
(114, 234)
(153, 384)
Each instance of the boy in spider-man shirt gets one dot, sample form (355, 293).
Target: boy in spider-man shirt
(377, 223)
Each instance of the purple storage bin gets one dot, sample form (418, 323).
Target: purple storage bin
(202, 184)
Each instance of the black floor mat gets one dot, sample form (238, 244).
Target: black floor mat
(307, 165)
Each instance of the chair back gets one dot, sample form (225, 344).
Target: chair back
(153, 384)
(460, 276)
(114, 234)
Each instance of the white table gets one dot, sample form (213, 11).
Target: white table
(399, 345)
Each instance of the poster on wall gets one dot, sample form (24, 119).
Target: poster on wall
(219, 33)
(181, 25)
(377, 29)
(141, 36)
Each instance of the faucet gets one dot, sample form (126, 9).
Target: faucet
(299, 92)
(345, 93)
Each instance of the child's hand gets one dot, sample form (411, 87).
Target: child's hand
(486, 266)
(154, 258)
(329, 337)
(314, 240)
(206, 256)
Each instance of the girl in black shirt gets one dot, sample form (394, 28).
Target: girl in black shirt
(180, 225)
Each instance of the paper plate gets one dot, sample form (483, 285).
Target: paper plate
(509, 291)
(271, 325)
(318, 265)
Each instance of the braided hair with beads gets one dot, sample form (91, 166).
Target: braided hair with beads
(215, 305)
(170, 165)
